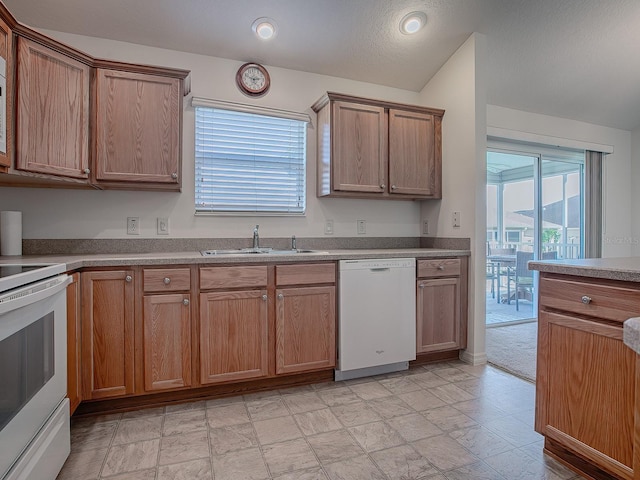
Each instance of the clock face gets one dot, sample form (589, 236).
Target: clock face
(253, 79)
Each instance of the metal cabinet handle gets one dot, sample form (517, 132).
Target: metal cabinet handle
(87, 171)
(393, 187)
(128, 278)
(440, 267)
(174, 175)
(586, 300)
(382, 186)
(167, 280)
(264, 297)
(185, 301)
(422, 285)
(280, 296)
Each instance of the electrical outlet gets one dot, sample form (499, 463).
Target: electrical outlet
(328, 227)
(362, 227)
(133, 225)
(456, 219)
(162, 226)
(425, 227)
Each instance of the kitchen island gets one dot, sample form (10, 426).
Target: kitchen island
(587, 402)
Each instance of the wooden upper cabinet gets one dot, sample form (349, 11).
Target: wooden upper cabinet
(360, 148)
(137, 128)
(377, 149)
(413, 165)
(52, 112)
(6, 96)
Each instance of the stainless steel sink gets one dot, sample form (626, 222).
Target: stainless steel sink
(260, 250)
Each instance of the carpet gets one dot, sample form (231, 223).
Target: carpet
(513, 348)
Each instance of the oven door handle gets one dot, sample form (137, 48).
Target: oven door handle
(28, 295)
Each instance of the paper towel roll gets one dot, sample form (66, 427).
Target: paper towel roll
(10, 233)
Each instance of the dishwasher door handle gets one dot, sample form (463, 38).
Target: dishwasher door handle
(380, 269)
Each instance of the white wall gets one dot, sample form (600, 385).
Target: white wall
(635, 192)
(59, 213)
(460, 88)
(618, 239)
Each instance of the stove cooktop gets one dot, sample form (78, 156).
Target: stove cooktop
(16, 275)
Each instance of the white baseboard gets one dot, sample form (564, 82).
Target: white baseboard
(473, 358)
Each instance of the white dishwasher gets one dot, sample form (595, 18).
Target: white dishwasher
(376, 316)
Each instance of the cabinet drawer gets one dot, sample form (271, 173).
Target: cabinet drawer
(609, 302)
(439, 267)
(166, 279)
(233, 277)
(305, 274)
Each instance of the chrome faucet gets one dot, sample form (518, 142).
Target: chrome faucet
(256, 237)
(293, 242)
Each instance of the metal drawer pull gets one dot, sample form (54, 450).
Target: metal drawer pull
(280, 296)
(185, 301)
(174, 175)
(440, 267)
(422, 285)
(382, 186)
(167, 280)
(264, 297)
(586, 300)
(128, 278)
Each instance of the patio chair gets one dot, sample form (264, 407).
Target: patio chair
(497, 269)
(523, 277)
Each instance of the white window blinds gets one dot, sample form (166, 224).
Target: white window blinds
(249, 163)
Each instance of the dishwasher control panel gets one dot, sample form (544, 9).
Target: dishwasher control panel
(378, 263)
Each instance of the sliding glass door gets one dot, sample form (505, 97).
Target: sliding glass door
(535, 210)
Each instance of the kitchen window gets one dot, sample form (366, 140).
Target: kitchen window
(249, 160)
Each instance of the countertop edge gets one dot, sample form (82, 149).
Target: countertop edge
(76, 262)
(631, 334)
(626, 269)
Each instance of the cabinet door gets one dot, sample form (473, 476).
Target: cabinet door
(233, 336)
(74, 329)
(167, 342)
(359, 148)
(6, 96)
(107, 334)
(438, 315)
(52, 112)
(585, 390)
(413, 165)
(138, 127)
(305, 329)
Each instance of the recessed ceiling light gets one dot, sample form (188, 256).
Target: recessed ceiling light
(412, 22)
(264, 28)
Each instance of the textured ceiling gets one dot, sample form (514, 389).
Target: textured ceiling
(575, 59)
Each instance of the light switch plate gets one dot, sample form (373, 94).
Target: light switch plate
(328, 227)
(362, 227)
(133, 225)
(162, 226)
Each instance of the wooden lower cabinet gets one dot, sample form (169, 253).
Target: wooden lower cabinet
(74, 330)
(586, 388)
(441, 305)
(305, 329)
(107, 334)
(167, 341)
(233, 336)
(438, 312)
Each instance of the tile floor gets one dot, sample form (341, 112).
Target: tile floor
(441, 421)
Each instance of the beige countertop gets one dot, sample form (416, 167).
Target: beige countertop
(620, 268)
(75, 262)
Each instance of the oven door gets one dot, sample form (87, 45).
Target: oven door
(32, 363)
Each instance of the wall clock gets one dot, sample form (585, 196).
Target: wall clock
(253, 79)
